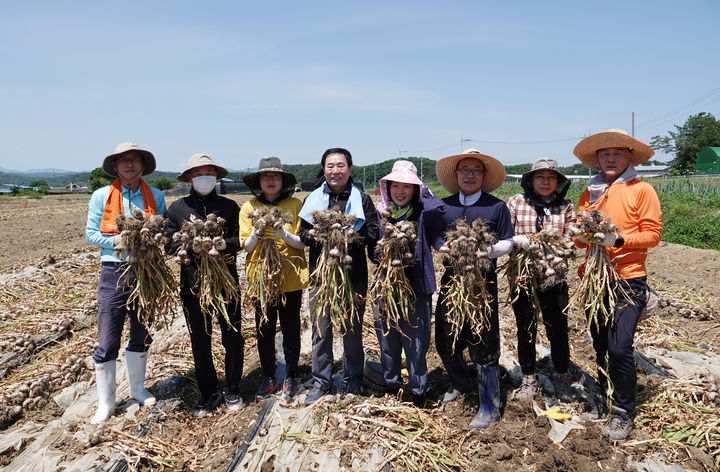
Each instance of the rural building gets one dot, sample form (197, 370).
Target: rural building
(652, 170)
(708, 161)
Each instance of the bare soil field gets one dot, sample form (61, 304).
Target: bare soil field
(48, 278)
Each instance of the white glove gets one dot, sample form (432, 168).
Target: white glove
(251, 241)
(116, 240)
(608, 239)
(279, 233)
(219, 243)
(521, 241)
(583, 239)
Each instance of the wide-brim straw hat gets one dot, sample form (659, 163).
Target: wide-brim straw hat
(122, 148)
(586, 150)
(269, 164)
(199, 160)
(493, 177)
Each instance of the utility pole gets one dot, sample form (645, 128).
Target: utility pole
(463, 140)
(364, 184)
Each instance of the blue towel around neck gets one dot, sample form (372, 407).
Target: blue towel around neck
(319, 199)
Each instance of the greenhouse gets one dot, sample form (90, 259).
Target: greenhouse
(708, 161)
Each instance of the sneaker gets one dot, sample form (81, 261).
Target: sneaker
(527, 389)
(207, 405)
(315, 395)
(233, 401)
(289, 389)
(563, 388)
(350, 388)
(619, 426)
(450, 396)
(267, 388)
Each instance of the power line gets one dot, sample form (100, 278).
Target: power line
(683, 109)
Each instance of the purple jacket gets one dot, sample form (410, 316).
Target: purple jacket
(489, 208)
(422, 272)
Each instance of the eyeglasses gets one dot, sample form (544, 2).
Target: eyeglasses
(129, 159)
(466, 171)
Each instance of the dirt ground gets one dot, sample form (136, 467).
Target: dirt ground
(48, 273)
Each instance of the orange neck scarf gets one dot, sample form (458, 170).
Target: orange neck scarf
(114, 206)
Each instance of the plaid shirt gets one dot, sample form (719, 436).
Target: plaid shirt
(524, 216)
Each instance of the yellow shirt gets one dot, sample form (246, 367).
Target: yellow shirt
(295, 269)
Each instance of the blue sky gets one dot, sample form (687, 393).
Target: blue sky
(241, 80)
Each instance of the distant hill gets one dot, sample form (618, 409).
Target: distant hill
(370, 174)
(59, 180)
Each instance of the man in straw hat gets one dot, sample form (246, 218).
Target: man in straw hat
(470, 177)
(202, 172)
(634, 207)
(127, 193)
(542, 205)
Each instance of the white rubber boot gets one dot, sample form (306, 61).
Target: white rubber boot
(136, 362)
(105, 380)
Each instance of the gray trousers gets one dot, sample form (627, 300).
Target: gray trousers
(322, 353)
(113, 292)
(414, 340)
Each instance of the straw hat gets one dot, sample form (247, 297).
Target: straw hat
(494, 171)
(148, 159)
(269, 164)
(586, 150)
(199, 160)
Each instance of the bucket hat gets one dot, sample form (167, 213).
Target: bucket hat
(199, 160)
(544, 163)
(494, 171)
(402, 171)
(586, 150)
(148, 158)
(269, 164)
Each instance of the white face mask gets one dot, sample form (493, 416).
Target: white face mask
(204, 184)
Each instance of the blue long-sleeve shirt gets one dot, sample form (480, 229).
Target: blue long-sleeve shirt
(131, 201)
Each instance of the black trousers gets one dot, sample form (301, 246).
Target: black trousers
(200, 327)
(616, 340)
(289, 315)
(553, 302)
(484, 349)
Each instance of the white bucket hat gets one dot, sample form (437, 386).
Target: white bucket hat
(199, 160)
(148, 158)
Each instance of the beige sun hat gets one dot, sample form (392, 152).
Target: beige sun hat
(586, 150)
(148, 159)
(494, 171)
(199, 160)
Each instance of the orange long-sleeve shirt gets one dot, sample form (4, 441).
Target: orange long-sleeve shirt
(635, 208)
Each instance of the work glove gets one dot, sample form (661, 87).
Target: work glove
(555, 414)
(521, 241)
(116, 240)
(583, 238)
(609, 239)
(279, 233)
